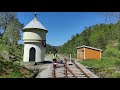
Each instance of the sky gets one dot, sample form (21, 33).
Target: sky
(62, 26)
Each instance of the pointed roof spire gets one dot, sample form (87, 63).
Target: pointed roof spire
(35, 15)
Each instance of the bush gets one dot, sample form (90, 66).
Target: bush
(1, 57)
(105, 68)
(111, 53)
(12, 70)
(3, 47)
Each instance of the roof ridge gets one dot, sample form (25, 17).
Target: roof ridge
(88, 47)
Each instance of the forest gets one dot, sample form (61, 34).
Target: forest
(102, 36)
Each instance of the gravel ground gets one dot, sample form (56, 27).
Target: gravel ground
(45, 69)
(46, 72)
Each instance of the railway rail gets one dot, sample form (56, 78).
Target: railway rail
(71, 70)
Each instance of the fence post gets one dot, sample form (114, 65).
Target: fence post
(54, 67)
(65, 64)
(70, 60)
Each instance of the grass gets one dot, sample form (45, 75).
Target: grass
(10, 70)
(12, 75)
(105, 68)
(111, 53)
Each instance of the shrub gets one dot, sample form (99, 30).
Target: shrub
(111, 53)
(105, 68)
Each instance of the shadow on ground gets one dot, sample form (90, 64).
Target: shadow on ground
(46, 62)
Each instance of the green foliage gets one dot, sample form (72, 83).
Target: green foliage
(15, 74)
(8, 42)
(111, 53)
(118, 44)
(9, 38)
(98, 36)
(5, 18)
(50, 48)
(105, 68)
(3, 47)
(12, 32)
(10, 70)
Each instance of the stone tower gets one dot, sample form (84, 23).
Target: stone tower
(34, 38)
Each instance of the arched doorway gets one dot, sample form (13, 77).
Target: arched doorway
(32, 54)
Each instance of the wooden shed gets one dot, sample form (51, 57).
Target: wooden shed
(87, 52)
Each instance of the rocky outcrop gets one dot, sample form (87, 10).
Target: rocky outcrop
(5, 55)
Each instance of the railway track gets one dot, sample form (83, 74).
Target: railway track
(70, 70)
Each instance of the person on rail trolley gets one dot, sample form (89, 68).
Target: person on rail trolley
(55, 59)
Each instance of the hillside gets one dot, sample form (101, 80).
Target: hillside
(11, 53)
(50, 48)
(103, 36)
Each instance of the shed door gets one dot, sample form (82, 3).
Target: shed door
(32, 54)
(81, 54)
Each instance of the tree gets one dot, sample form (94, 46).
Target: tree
(12, 32)
(110, 15)
(85, 35)
(5, 18)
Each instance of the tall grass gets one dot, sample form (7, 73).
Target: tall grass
(105, 68)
